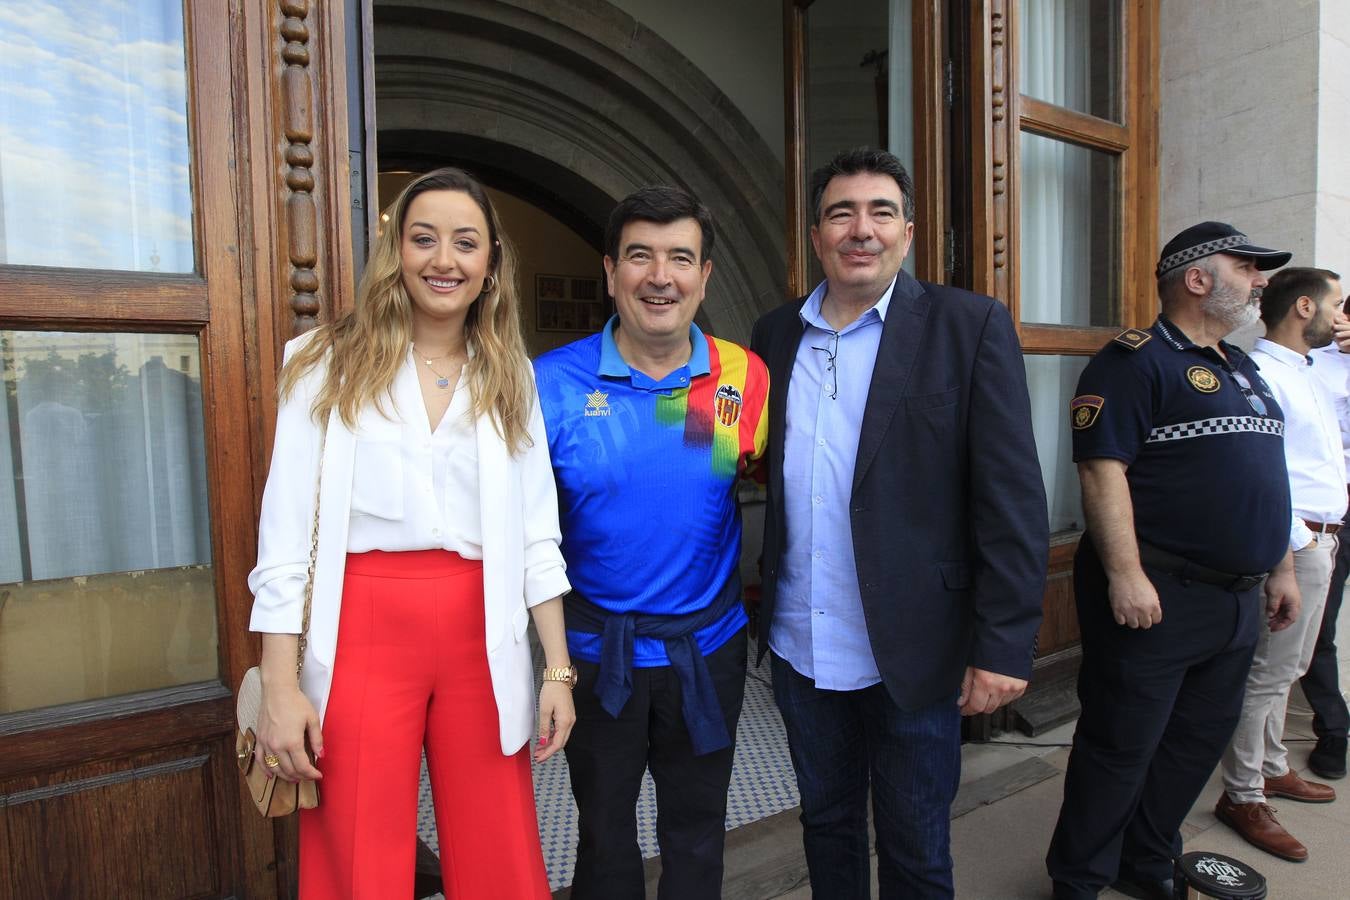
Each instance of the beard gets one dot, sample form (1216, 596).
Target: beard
(1230, 306)
(1318, 333)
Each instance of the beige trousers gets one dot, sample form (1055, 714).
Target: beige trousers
(1257, 751)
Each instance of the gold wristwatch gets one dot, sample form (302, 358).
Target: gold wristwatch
(565, 674)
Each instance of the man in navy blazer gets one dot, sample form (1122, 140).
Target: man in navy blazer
(906, 536)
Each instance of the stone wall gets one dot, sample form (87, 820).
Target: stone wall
(738, 45)
(1255, 122)
(1332, 240)
(571, 105)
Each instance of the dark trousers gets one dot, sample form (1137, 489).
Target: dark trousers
(1321, 684)
(607, 757)
(842, 742)
(1159, 707)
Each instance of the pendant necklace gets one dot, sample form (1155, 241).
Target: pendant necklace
(442, 381)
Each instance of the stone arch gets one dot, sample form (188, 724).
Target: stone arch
(572, 104)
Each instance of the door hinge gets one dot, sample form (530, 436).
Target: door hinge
(949, 83)
(358, 178)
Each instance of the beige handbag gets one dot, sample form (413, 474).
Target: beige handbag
(273, 795)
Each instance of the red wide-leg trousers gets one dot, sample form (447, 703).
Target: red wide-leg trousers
(411, 671)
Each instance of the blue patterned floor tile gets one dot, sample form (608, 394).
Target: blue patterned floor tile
(762, 784)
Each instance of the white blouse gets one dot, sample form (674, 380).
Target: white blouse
(517, 524)
(414, 488)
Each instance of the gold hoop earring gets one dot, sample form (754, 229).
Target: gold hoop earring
(486, 279)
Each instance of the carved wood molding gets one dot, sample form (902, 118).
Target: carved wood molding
(64, 788)
(1003, 131)
(993, 138)
(297, 121)
(794, 87)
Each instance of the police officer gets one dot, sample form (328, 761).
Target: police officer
(1180, 452)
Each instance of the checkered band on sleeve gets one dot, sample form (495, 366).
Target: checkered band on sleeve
(1222, 425)
(1181, 257)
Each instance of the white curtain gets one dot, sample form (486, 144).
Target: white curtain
(1056, 239)
(1056, 232)
(109, 443)
(900, 115)
(1056, 186)
(1051, 381)
(11, 557)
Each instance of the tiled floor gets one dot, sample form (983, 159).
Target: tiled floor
(999, 847)
(998, 840)
(762, 784)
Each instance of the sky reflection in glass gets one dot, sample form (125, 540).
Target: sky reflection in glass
(94, 135)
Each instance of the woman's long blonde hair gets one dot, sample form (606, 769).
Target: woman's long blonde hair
(366, 346)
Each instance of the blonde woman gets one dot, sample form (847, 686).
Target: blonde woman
(437, 531)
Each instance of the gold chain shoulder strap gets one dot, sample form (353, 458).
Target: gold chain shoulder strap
(313, 561)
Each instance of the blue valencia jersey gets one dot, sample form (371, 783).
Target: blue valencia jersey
(646, 475)
(1203, 441)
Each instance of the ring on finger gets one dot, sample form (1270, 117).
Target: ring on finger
(272, 761)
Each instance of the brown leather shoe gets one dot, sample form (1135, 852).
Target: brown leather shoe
(1292, 787)
(1257, 825)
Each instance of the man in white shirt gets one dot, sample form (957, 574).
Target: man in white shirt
(1321, 683)
(1300, 308)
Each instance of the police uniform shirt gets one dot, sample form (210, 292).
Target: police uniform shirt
(1202, 439)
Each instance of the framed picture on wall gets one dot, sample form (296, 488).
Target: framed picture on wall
(568, 303)
(550, 287)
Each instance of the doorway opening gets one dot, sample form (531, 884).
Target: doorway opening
(561, 109)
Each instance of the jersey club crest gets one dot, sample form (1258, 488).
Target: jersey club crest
(727, 402)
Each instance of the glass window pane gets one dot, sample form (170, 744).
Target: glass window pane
(1070, 210)
(1051, 381)
(94, 136)
(1070, 54)
(105, 550)
(847, 77)
(859, 84)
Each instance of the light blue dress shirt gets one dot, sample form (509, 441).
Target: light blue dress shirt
(818, 625)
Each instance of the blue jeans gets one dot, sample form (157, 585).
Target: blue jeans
(842, 742)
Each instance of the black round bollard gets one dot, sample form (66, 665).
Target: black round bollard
(1217, 876)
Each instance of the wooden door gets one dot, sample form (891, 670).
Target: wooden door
(896, 98)
(1064, 175)
(994, 149)
(172, 207)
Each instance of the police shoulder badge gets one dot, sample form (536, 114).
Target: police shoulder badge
(1132, 338)
(1202, 379)
(1084, 409)
(727, 402)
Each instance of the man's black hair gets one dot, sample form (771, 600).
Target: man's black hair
(660, 204)
(863, 161)
(1287, 285)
